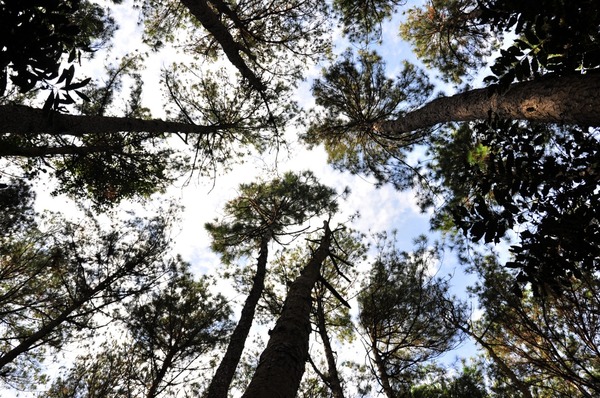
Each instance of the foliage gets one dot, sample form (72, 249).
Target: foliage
(469, 382)
(213, 98)
(54, 279)
(361, 20)
(271, 208)
(404, 314)
(554, 37)
(169, 329)
(36, 34)
(550, 342)
(267, 41)
(125, 166)
(353, 99)
(16, 202)
(449, 35)
(497, 180)
(542, 182)
(551, 37)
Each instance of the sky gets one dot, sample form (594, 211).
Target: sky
(381, 209)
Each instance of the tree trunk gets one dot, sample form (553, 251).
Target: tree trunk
(219, 385)
(568, 99)
(153, 391)
(24, 119)
(282, 363)
(383, 378)
(334, 377)
(211, 21)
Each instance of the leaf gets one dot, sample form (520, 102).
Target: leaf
(531, 37)
(490, 233)
(48, 103)
(72, 55)
(69, 75)
(534, 65)
(62, 77)
(3, 81)
(523, 45)
(77, 85)
(82, 96)
(67, 99)
(526, 69)
(477, 231)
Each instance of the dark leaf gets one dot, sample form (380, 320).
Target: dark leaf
(48, 103)
(82, 96)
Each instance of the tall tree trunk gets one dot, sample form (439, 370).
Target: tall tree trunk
(568, 99)
(384, 378)
(25, 119)
(282, 363)
(205, 14)
(219, 385)
(153, 391)
(334, 377)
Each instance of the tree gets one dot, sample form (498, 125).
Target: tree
(544, 344)
(449, 35)
(330, 315)
(541, 78)
(404, 316)
(263, 212)
(54, 280)
(552, 37)
(353, 99)
(468, 382)
(167, 331)
(361, 21)
(35, 35)
(542, 182)
(282, 362)
(110, 158)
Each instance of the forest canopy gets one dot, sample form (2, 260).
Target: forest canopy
(330, 135)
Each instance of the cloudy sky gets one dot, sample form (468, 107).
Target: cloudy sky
(381, 209)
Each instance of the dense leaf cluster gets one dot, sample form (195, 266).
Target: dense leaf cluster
(36, 35)
(541, 182)
(553, 37)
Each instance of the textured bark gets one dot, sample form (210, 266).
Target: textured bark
(282, 363)
(211, 21)
(24, 119)
(219, 385)
(383, 378)
(333, 378)
(568, 99)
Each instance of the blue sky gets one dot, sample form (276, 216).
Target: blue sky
(382, 209)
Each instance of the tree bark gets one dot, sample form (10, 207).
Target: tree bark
(203, 12)
(153, 391)
(564, 100)
(334, 378)
(219, 385)
(282, 363)
(384, 378)
(24, 119)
